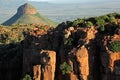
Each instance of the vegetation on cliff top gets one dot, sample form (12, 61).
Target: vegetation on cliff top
(99, 21)
(14, 33)
(17, 33)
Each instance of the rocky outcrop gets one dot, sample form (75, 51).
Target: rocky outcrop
(84, 49)
(26, 9)
(42, 64)
(82, 60)
(36, 72)
(110, 61)
(48, 61)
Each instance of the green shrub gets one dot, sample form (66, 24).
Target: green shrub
(68, 42)
(78, 21)
(115, 46)
(65, 68)
(27, 77)
(88, 24)
(102, 28)
(100, 21)
(111, 19)
(75, 23)
(104, 17)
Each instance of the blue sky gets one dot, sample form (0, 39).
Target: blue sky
(70, 1)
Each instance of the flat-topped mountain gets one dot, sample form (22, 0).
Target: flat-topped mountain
(27, 14)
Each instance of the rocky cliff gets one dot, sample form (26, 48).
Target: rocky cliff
(74, 50)
(86, 50)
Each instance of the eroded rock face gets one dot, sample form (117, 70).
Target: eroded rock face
(36, 72)
(42, 64)
(46, 69)
(111, 61)
(111, 65)
(48, 61)
(82, 59)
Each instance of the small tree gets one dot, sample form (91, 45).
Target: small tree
(100, 21)
(115, 46)
(66, 68)
(88, 24)
(75, 23)
(111, 19)
(104, 17)
(27, 77)
(69, 42)
(102, 28)
(78, 21)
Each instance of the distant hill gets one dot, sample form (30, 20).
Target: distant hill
(27, 14)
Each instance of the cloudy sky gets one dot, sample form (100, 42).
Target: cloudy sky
(71, 1)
